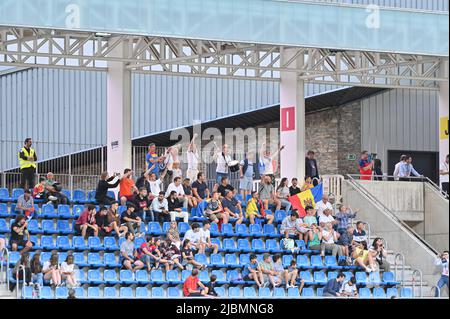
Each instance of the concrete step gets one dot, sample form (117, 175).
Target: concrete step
(5, 293)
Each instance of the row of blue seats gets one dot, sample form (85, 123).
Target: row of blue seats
(79, 196)
(175, 292)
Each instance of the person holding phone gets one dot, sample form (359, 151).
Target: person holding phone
(442, 261)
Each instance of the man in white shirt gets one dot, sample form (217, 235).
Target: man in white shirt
(160, 208)
(206, 237)
(443, 173)
(442, 261)
(397, 167)
(322, 205)
(178, 188)
(155, 183)
(329, 238)
(192, 160)
(349, 289)
(267, 160)
(222, 159)
(195, 237)
(326, 218)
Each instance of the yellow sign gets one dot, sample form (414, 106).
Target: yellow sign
(444, 128)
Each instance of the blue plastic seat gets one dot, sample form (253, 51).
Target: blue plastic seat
(91, 197)
(214, 230)
(63, 227)
(93, 293)
(258, 245)
(389, 278)
(126, 293)
(157, 277)
(48, 211)
(264, 292)
(173, 292)
(406, 293)
(392, 292)
(220, 291)
(165, 227)
(375, 278)
(243, 245)
(320, 278)
(79, 196)
(110, 260)
(241, 230)
(203, 275)
(154, 228)
(280, 215)
(316, 262)
(94, 277)
(81, 277)
(62, 257)
(142, 277)
(331, 263)
(110, 293)
(111, 194)
(333, 275)
(138, 241)
(142, 293)
(249, 292)
(77, 210)
(201, 258)
(95, 243)
(110, 277)
(110, 244)
(79, 292)
(272, 246)
(216, 261)
(361, 278)
(4, 195)
(94, 260)
(307, 292)
(46, 293)
(157, 292)
(173, 277)
(4, 228)
(217, 242)
(233, 276)
(221, 278)
(48, 226)
(27, 292)
(287, 260)
(227, 230)
(239, 197)
(319, 292)
(184, 274)
(16, 193)
(269, 231)
(63, 243)
(183, 227)
(48, 243)
(229, 245)
(234, 292)
(231, 260)
(279, 292)
(379, 292)
(256, 230)
(67, 193)
(303, 262)
(80, 260)
(364, 293)
(36, 246)
(78, 243)
(244, 259)
(4, 210)
(126, 277)
(293, 292)
(301, 244)
(64, 211)
(307, 277)
(14, 257)
(45, 256)
(33, 226)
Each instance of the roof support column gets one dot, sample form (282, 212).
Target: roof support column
(118, 111)
(443, 112)
(292, 119)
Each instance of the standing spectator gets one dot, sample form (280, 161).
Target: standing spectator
(160, 209)
(232, 207)
(349, 289)
(101, 220)
(294, 189)
(142, 203)
(133, 222)
(359, 234)
(205, 238)
(156, 182)
(192, 201)
(192, 159)
(114, 220)
(283, 194)
(442, 261)
(19, 235)
(225, 186)
(247, 171)
(406, 169)
(214, 210)
(342, 217)
(179, 191)
(176, 170)
(397, 166)
(329, 239)
(37, 277)
(144, 181)
(269, 273)
(25, 205)
(377, 171)
(200, 189)
(255, 209)
(127, 187)
(362, 257)
(443, 172)
(311, 169)
(27, 163)
(322, 205)
(252, 271)
(193, 287)
(267, 193)
(153, 160)
(175, 208)
(188, 256)
(333, 286)
(173, 234)
(222, 159)
(86, 223)
(128, 254)
(326, 218)
(52, 271)
(365, 166)
(195, 238)
(103, 185)
(293, 225)
(379, 254)
(39, 189)
(68, 272)
(267, 160)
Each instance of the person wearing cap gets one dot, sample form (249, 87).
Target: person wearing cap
(131, 220)
(25, 205)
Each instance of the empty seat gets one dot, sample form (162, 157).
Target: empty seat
(280, 215)
(243, 245)
(48, 226)
(79, 196)
(110, 293)
(183, 227)
(293, 292)
(27, 292)
(77, 210)
(232, 275)
(16, 193)
(63, 227)
(258, 245)
(216, 261)
(4, 210)
(231, 260)
(67, 193)
(142, 293)
(331, 263)
(94, 277)
(173, 292)
(173, 277)
(110, 243)
(279, 292)
(48, 211)
(80, 260)
(94, 243)
(91, 197)
(307, 277)
(227, 230)
(157, 277)
(379, 293)
(157, 292)
(126, 292)
(320, 278)
(264, 292)
(78, 243)
(316, 262)
(234, 292)
(201, 258)
(389, 278)
(269, 231)
(287, 260)
(142, 277)
(4, 195)
(126, 277)
(333, 275)
(303, 262)
(110, 260)
(364, 293)
(406, 292)
(220, 291)
(46, 293)
(244, 259)
(64, 211)
(256, 230)
(93, 292)
(229, 245)
(33, 227)
(154, 228)
(220, 275)
(307, 292)
(241, 230)
(45, 256)
(95, 260)
(63, 243)
(375, 278)
(392, 292)
(361, 278)
(79, 292)
(110, 277)
(48, 243)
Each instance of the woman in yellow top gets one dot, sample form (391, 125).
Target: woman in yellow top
(307, 185)
(363, 258)
(255, 209)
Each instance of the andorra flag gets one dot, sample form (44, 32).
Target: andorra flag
(306, 198)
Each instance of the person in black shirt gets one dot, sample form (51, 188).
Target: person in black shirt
(104, 184)
(188, 255)
(294, 189)
(20, 235)
(192, 201)
(224, 186)
(211, 286)
(142, 203)
(101, 219)
(311, 169)
(199, 188)
(144, 181)
(131, 220)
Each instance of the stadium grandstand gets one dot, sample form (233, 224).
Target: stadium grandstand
(223, 149)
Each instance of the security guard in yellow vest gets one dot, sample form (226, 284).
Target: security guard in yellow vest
(27, 162)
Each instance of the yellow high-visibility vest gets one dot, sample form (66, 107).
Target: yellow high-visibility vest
(25, 163)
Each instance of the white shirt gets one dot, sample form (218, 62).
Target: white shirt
(67, 268)
(179, 189)
(326, 219)
(321, 206)
(156, 205)
(192, 159)
(326, 233)
(155, 187)
(268, 167)
(193, 237)
(351, 290)
(46, 266)
(222, 166)
(444, 266)
(444, 167)
(176, 172)
(205, 235)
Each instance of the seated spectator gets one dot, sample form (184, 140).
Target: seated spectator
(310, 217)
(178, 189)
(160, 209)
(329, 239)
(200, 189)
(19, 235)
(192, 286)
(293, 225)
(37, 277)
(322, 205)
(349, 288)
(269, 273)
(188, 256)
(176, 208)
(127, 187)
(379, 254)
(71, 294)
(315, 238)
(142, 203)
(267, 193)
(346, 240)
(291, 273)
(25, 205)
(106, 182)
(225, 186)
(148, 253)
(128, 254)
(49, 181)
(308, 184)
(294, 189)
(172, 254)
(132, 221)
(113, 218)
(280, 272)
(101, 220)
(195, 238)
(255, 209)
(52, 271)
(54, 196)
(283, 194)
(232, 207)
(359, 234)
(342, 217)
(205, 239)
(173, 234)
(333, 286)
(39, 189)
(192, 201)
(326, 218)
(68, 272)
(214, 210)
(362, 257)
(2, 245)
(24, 262)
(86, 225)
(252, 271)
(211, 286)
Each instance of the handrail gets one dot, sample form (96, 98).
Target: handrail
(417, 271)
(389, 212)
(402, 259)
(21, 267)
(4, 252)
(437, 289)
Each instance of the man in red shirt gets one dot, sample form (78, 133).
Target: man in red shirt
(365, 166)
(86, 223)
(191, 284)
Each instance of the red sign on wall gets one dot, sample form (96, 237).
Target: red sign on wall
(288, 119)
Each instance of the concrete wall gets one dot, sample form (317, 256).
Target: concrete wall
(436, 225)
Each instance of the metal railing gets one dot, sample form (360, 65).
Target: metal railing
(18, 290)
(419, 272)
(332, 184)
(437, 289)
(396, 264)
(4, 266)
